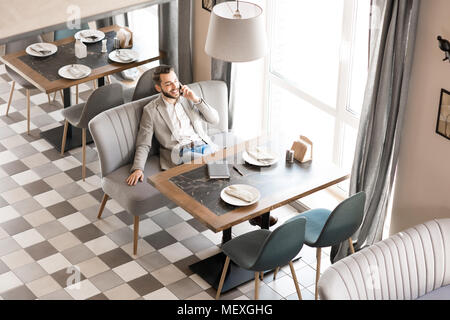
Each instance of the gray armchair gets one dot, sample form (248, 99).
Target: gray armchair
(144, 87)
(114, 133)
(103, 98)
(15, 47)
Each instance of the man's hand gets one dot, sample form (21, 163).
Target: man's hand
(189, 94)
(135, 177)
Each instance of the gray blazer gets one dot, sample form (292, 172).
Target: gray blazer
(155, 120)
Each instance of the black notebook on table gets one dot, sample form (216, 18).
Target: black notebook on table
(218, 170)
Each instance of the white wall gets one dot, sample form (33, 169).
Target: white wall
(202, 62)
(423, 181)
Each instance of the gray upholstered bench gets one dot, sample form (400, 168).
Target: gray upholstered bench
(114, 133)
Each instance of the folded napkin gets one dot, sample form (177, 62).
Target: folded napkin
(88, 33)
(123, 55)
(261, 155)
(74, 71)
(241, 193)
(38, 48)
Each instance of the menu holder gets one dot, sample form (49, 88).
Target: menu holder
(303, 149)
(125, 37)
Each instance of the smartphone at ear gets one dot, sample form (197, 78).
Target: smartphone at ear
(181, 91)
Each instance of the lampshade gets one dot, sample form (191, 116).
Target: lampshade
(236, 39)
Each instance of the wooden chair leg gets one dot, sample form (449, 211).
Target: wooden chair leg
(54, 95)
(256, 285)
(83, 142)
(76, 94)
(136, 234)
(294, 277)
(261, 275)
(10, 96)
(275, 272)
(318, 257)
(64, 137)
(350, 243)
(49, 100)
(28, 111)
(102, 205)
(108, 78)
(222, 277)
(95, 84)
(62, 95)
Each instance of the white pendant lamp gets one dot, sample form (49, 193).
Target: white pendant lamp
(236, 32)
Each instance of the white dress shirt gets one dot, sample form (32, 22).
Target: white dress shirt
(181, 123)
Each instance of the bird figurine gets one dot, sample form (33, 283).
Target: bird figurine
(444, 45)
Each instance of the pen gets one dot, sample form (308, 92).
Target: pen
(240, 172)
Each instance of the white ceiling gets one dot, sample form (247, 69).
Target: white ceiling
(20, 18)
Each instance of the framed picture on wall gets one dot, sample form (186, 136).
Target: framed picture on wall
(208, 4)
(443, 120)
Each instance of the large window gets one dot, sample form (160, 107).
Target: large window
(144, 24)
(317, 70)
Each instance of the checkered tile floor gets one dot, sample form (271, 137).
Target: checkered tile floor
(49, 229)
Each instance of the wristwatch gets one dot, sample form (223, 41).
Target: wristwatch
(201, 100)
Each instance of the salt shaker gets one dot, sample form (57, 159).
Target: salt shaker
(104, 49)
(80, 49)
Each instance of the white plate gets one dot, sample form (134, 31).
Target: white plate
(250, 160)
(120, 55)
(236, 201)
(89, 32)
(41, 46)
(65, 71)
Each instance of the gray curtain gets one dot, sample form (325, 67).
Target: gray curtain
(175, 37)
(381, 122)
(221, 70)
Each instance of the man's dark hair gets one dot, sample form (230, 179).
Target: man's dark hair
(163, 69)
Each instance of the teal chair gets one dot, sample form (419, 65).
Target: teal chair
(263, 250)
(325, 228)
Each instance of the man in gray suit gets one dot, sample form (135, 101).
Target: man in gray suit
(178, 119)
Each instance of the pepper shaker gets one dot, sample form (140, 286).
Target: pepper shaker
(116, 43)
(290, 156)
(104, 49)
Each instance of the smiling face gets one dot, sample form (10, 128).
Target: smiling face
(169, 86)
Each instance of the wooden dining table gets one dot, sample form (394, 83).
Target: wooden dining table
(42, 72)
(189, 187)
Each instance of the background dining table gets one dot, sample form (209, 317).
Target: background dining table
(42, 72)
